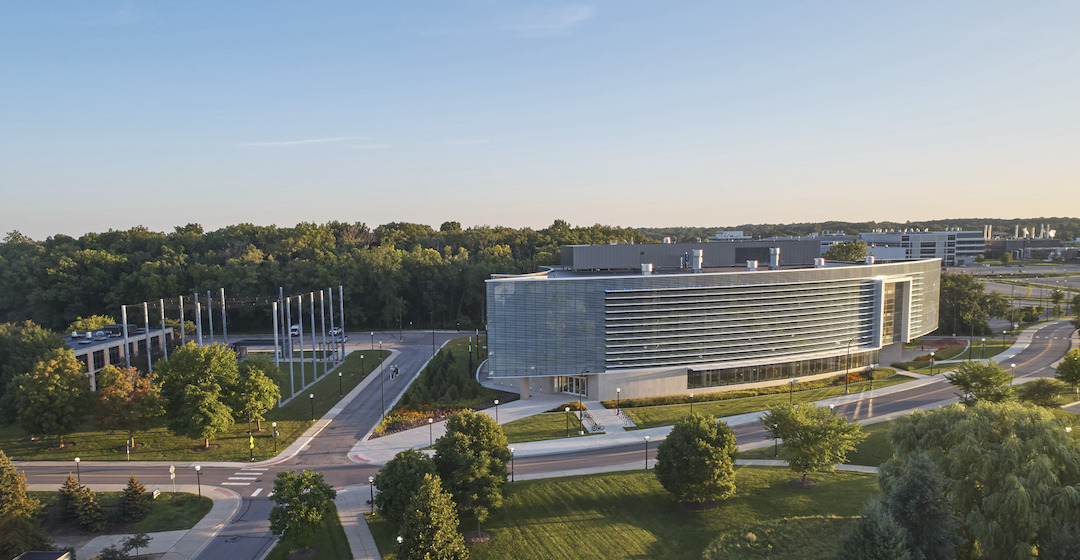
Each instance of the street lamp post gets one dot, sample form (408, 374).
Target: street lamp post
(982, 351)
(511, 464)
(430, 431)
(1012, 367)
(198, 478)
(691, 404)
(646, 452)
(372, 341)
(78, 473)
(363, 368)
(496, 411)
(274, 425)
(382, 384)
(567, 409)
(618, 400)
(932, 356)
(251, 438)
(339, 384)
(791, 391)
(311, 398)
(371, 492)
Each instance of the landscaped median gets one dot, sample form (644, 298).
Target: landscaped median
(158, 444)
(656, 416)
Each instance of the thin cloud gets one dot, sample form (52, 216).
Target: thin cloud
(371, 147)
(554, 21)
(287, 143)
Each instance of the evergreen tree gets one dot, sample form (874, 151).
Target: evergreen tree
(429, 530)
(19, 529)
(88, 510)
(398, 481)
(875, 536)
(915, 496)
(134, 504)
(68, 491)
(1069, 368)
(695, 461)
(1062, 545)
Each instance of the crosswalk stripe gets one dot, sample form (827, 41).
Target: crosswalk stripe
(256, 492)
(236, 484)
(243, 478)
(257, 468)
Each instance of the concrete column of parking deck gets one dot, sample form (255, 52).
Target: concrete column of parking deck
(175, 545)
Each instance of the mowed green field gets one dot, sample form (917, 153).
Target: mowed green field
(629, 515)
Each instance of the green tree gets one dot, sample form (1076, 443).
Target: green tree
(1042, 392)
(915, 497)
(471, 461)
(88, 510)
(68, 490)
(695, 461)
(300, 502)
(19, 527)
(22, 346)
(199, 414)
(398, 481)
(1006, 258)
(814, 438)
(1069, 369)
(135, 502)
(136, 541)
(875, 536)
(1064, 544)
(259, 386)
(91, 323)
(846, 251)
(429, 530)
(1010, 470)
(127, 400)
(54, 398)
(197, 382)
(981, 381)
(965, 306)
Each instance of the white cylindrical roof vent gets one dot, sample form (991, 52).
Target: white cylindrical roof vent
(751, 265)
(646, 269)
(819, 263)
(869, 259)
(696, 257)
(774, 258)
(667, 240)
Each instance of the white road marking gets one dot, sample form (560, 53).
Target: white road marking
(236, 484)
(243, 478)
(257, 468)
(256, 492)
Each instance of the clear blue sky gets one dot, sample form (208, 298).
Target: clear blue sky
(629, 113)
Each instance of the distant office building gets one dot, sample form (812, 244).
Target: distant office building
(99, 348)
(656, 319)
(953, 247)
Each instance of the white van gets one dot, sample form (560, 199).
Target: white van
(294, 330)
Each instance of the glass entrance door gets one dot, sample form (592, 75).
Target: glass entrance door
(573, 385)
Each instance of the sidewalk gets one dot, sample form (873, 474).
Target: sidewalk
(174, 545)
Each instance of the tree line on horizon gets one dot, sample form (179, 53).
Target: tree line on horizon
(398, 275)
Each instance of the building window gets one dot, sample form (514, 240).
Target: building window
(99, 359)
(698, 379)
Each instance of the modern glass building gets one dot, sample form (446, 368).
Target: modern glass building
(693, 327)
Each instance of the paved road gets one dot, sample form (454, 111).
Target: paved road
(247, 535)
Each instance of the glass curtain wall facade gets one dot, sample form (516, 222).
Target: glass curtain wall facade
(702, 326)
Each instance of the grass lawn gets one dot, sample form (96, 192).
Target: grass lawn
(872, 452)
(158, 444)
(329, 540)
(993, 348)
(549, 425)
(653, 416)
(629, 515)
(168, 512)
